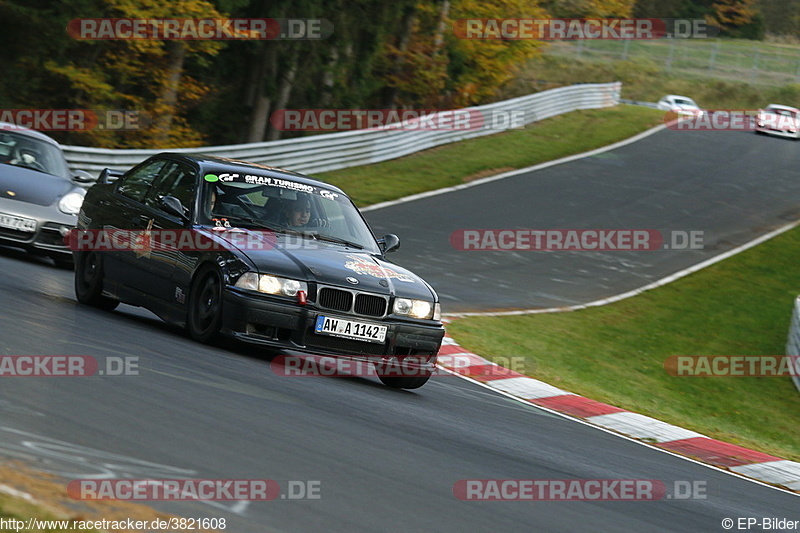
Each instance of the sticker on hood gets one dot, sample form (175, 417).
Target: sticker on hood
(366, 267)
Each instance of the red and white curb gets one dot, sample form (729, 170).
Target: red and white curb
(750, 463)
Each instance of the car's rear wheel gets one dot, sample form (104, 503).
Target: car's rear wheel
(89, 281)
(205, 306)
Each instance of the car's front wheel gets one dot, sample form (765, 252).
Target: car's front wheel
(405, 374)
(405, 382)
(205, 306)
(89, 281)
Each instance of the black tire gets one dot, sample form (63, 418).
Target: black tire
(398, 375)
(205, 306)
(89, 281)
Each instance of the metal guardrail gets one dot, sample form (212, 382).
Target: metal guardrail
(333, 151)
(793, 343)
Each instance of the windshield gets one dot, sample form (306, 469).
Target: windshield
(782, 112)
(685, 102)
(285, 206)
(25, 151)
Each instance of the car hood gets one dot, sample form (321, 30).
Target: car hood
(31, 186)
(325, 263)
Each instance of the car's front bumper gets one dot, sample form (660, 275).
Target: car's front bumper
(51, 225)
(288, 325)
(778, 133)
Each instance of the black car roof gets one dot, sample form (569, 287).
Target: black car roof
(218, 164)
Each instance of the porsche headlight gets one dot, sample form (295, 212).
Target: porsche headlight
(271, 284)
(413, 308)
(71, 203)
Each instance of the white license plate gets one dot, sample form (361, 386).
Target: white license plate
(350, 329)
(17, 223)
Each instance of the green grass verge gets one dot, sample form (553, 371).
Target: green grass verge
(616, 353)
(757, 62)
(647, 80)
(456, 163)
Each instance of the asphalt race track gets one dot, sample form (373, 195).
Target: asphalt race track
(731, 186)
(388, 460)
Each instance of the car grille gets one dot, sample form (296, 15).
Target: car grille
(358, 303)
(370, 305)
(335, 299)
(51, 235)
(23, 236)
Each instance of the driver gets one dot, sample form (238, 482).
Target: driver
(213, 208)
(298, 213)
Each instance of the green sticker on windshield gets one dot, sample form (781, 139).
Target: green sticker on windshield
(211, 177)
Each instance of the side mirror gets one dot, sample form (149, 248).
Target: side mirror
(109, 176)
(81, 176)
(173, 206)
(389, 243)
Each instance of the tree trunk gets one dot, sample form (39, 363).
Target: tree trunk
(284, 92)
(262, 95)
(444, 12)
(328, 79)
(169, 92)
(406, 28)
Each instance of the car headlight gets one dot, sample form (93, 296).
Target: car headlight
(271, 284)
(71, 203)
(415, 308)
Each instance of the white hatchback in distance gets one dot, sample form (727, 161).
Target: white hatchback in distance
(681, 105)
(780, 120)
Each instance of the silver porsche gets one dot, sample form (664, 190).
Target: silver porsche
(39, 196)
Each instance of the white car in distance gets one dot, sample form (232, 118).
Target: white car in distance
(682, 105)
(780, 120)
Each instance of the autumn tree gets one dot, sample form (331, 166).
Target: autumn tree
(589, 8)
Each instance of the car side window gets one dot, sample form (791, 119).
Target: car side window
(136, 184)
(177, 180)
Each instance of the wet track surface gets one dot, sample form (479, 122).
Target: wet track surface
(731, 186)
